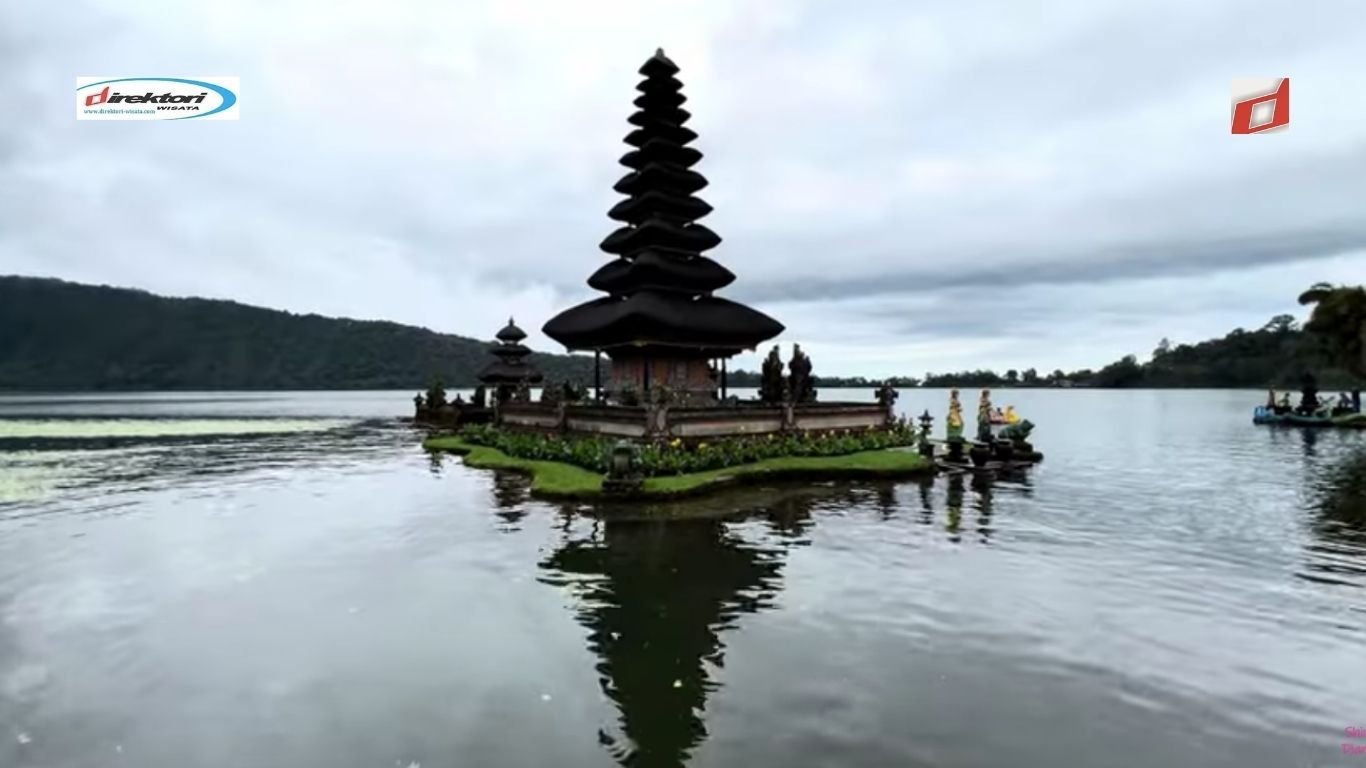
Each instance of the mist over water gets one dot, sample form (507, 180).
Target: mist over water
(287, 579)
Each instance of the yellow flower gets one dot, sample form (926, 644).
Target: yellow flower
(675, 442)
(701, 446)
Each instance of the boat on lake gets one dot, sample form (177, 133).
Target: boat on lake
(1312, 412)
(1351, 420)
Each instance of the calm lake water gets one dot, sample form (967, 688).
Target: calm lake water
(245, 580)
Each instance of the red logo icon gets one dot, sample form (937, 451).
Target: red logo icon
(1247, 118)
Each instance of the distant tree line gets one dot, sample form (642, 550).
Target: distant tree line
(1277, 354)
(60, 335)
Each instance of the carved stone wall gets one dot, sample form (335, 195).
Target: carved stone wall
(693, 423)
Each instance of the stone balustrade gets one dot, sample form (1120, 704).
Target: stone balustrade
(662, 421)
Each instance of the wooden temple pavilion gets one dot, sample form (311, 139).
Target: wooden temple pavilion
(661, 322)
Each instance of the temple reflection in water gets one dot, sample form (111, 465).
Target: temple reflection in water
(658, 657)
(654, 653)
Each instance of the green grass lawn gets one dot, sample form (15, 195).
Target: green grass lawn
(558, 480)
(548, 478)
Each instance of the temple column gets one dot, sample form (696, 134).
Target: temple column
(597, 375)
(723, 378)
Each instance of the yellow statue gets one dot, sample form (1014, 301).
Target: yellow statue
(955, 420)
(1011, 416)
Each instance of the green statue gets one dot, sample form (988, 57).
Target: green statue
(1018, 431)
(984, 417)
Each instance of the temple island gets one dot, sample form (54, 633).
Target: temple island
(659, 419)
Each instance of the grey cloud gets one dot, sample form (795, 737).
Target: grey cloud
(1102, 265)
(313, 221)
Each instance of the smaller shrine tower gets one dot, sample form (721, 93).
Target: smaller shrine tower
(509, 371)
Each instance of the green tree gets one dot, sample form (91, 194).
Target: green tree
(1281, 324)
(1164, 347)
(1030, 377)
(1338, 322)
(1012, 377)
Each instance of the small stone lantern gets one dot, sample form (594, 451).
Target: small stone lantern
(623, 460)
(623, 470)
(925, 446)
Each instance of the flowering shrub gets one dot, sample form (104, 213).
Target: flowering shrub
(677, 458)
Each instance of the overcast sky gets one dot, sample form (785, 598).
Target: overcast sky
(908, 186)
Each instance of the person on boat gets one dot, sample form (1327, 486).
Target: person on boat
(1284, 405)
(1271, 399)
(1309, 395)
(1344, 405)
(1011, 416)
(998, 416)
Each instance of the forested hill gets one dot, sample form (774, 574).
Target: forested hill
(1278, 354)
(60, 335)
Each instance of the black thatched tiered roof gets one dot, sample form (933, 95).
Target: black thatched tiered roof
(510, 365)
(660, 285)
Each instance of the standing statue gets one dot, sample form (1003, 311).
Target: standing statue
(771, 381)
(417, 406)
(954, 423)
(1309, 395)
(984, 417)
(886, 397)
(800, 385)
(886, 394)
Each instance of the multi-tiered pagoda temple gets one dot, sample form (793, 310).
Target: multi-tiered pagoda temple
(509, 370)
(660, 322)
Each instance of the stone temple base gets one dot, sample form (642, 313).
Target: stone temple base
(693, 423)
